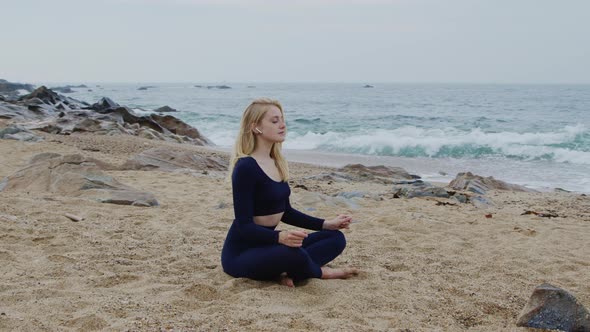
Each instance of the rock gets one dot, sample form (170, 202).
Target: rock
(103, 104)
(22, 113)
(73, 217)
(178, 127)
(62, 89)
(368, 86)
(44, 94)
(428, 192)
(553, 308)
(381, 174)
(460, 198)
(131, 197)
(165, 109)
(74, 175)
(481, 202)
(143, 88)
(417, 188)
(10, 89)
(480, 185)
(18, 133)
(222, 87)
(165, 159)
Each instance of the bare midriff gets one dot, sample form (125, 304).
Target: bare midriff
(268, 221)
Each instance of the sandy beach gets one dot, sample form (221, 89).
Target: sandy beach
(423, 266)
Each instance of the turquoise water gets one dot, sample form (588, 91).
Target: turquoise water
(537, 135)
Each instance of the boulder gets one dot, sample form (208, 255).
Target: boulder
(19, 133)
(167, 160)
(74, 175)
(480, 185)
(179, 127)
(553, 308)
(165, 109)
(103, 104)
(382, 174)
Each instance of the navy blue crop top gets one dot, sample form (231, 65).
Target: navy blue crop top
(256, 194)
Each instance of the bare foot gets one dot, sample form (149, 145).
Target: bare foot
(286, 281)
(345, 273)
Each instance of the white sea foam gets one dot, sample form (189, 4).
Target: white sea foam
(413, 141)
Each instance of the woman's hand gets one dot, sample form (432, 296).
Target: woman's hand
(292, 238)
(340, 222)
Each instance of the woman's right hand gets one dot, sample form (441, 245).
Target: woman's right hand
(292, 238)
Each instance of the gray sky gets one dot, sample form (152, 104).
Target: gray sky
(480, 41)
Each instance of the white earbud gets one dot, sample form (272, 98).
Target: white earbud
(258, 130)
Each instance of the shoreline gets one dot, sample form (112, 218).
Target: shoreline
(429, 169)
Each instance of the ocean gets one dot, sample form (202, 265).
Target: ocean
(533, 135)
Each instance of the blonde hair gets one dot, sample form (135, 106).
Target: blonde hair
(246, 140)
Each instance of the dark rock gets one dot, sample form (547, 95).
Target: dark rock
(222, 87)
(368, 86)
(198, 86)
(480, 185)
(145, 87)
(44, 94)
(124, 114)
(103, 104)
(179, 127)
(165, 109)
(62, 89)
(10, 89)
(553, 308)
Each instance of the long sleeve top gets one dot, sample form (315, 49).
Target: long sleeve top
(256, 194)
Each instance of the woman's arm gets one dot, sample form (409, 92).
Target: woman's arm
(243, 184)
(300, 219)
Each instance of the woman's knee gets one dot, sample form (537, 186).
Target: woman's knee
(338, 239)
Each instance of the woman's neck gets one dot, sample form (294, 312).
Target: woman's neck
(262, 150)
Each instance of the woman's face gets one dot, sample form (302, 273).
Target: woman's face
(272, 126)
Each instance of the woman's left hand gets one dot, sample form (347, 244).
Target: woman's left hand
(340, 222)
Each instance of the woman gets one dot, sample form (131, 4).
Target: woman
(253, 248)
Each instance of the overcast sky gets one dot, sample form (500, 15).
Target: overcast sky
(471, 41)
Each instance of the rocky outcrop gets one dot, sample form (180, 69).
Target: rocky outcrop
(74, 175)
(178, 127)
(553, 308)
(10, 89)
(167, 160)
(480, 185)
(48, 111)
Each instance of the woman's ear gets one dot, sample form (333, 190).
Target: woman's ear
(255, 129)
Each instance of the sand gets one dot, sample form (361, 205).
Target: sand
(423, 266)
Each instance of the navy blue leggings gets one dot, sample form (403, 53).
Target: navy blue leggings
(268, 262)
